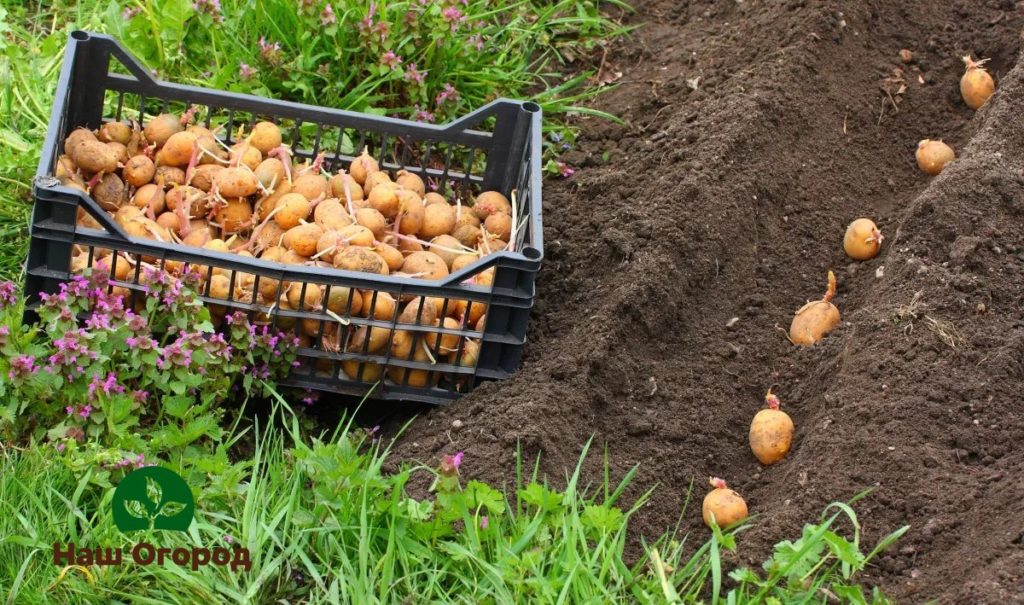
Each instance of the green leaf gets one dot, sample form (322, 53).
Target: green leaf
(849, 594)
(846, 552)
(481, 495)
(137, 509)
(602, 518)
(153, 491)
(172, 508)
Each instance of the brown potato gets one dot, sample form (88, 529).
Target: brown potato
(362, 371)
(93, 157)
(202, 176)
(410, 212)
(377, 179)
(178, 149)
(265, 136)
(771, 432)
(411, 377)
(120, 150)
(379, 305)
(331, 215)
(161, 128)
(357, 235)
(425, 265)
(151, 196)
(815, 319)
(303, 239)
(65, 168)
(363, 166)
(369, 340)
(339, 298)
(291, 209)
(390, 254)
(467, 235)
(372, 220)
(170, 221)
(304, 296)
(78, 136)
(489, 202)
(110, 192)
(448, 248)
(312, 186)
(115, 132)
(412, 313)
(198, 238)
(211, 151)
(169, 176)
(338, 187)
(723, 506)
(443, 343)
(236, 216)
(385, 200)
(433, 197)
(355, 258)
(244, 154)
(195, 200)
(438, 219)
(411, 181)
(235, 182)
(462, 261)
(266, 205)
(270, 173)
(139, 170)
(499, 224)
(329, 243)
(266, 236)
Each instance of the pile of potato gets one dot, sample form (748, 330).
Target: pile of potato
(178, 183)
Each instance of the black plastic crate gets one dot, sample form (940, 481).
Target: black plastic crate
(497, 147)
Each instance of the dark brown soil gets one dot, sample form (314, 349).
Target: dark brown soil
(730, 201)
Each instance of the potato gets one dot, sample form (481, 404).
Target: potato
(425, 265)
(245, 155)
(433, 197)
(169, 221)
(291, 257)
(312, 186)
(291, 209)
(304, 297)
(78, 136)
(418, 312)
(110, 192)
(442, 344)
(499, 225)
(235, 182)
(481, 323)
(377, 179)
(340, 298)
(447, 247)
(267, 235)
(265, 136)
(120, 151)
(356, 258)
(410, 212)
(139, 170)
(211, 151)
(384, 200)
(363, 166)
(462, 261)
(115, 132)
(390, 254)
(149, 196)
(406, 246)
(402, 343)
(197, 238)
(411, 181)
(467, 356)
(328, 244)
(771, 432)
(65, 168)
(357, 235)
(303, 238)
(489, 202)
(178, 149)
(93, 157)
(202, 176)
(467, 235)
(373, 220)
(267, 204)
(723, 506)
(236, 216)
(338, 187)
(220, 287)
(270, 173)
(379, 305)
(469, 311)
(369, 340)
(331, 215)
(194, 199)
(161, 128)
(169, 176)
(411, 377)
(815, 319)
(492, 244)
(362, 371)
(438, 219)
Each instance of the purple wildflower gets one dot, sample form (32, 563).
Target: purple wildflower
(366, 24)
(327, 16)
(4, 333)
(246, 71)
(390, 59)
(478, 41)
(7, 297)
(60, 447)
(22, 366)
(450, 464)
(453, 16)
(484, 521)
(413, 74)
(270, 52)
(566, 170)
(311, 397)
(421, 115)
(129, 13)
(210, 7)
(85, 411)
(447, 94)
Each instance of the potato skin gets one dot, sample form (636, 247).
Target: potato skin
(771, 435)
(812, 322)
(727, 506)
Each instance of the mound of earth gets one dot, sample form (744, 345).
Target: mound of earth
(677, 254)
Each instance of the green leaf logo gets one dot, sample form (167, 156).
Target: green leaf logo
(153, 497)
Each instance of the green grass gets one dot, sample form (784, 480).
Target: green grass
(325, 524)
